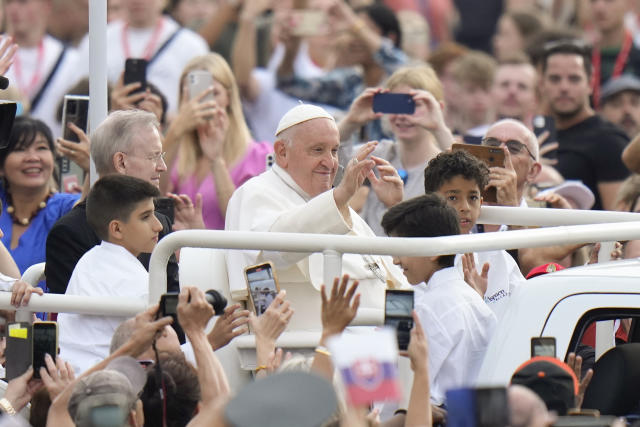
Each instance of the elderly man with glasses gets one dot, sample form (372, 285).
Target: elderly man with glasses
(521, 160)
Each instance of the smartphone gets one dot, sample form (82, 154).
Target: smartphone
(45, 341)
(262, 285)
(543, 346)
(75, 109)
(19, 349)
(166, 206)
(491, 156)
(308, 22)
(477, 407)
(168, 305)
(398, 306)
(135, 70)
(393, 103)
(7, 115)
(198, 81)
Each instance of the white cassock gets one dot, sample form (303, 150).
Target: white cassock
(273, 201)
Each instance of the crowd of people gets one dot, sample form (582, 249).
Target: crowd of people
(288, 136)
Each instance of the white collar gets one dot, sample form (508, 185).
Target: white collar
(284, 175)
(442, 276)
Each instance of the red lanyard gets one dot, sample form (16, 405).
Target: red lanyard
(37, 72)
(151, 45)
(618, 68)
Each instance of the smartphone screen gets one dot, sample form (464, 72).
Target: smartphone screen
(199, 81)
(543, 346)
(168, 305)
(45, 341)
(393, 103)
(262, 285)
(135, 70)
(398, 306)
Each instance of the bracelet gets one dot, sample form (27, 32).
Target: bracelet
(7, 407)
(260, 368)
(323, 350)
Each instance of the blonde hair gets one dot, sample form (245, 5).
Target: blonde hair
(417, 77)
(238, 136)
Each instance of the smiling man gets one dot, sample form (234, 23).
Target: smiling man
(296, 196)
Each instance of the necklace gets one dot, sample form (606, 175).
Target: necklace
(25, 221)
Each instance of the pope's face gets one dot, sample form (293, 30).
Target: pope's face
(311, 157)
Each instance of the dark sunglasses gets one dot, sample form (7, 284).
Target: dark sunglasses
(514, 147)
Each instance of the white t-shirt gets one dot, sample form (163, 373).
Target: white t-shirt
(164, 72)
(30, 70)
(458, 326)
(105, 270)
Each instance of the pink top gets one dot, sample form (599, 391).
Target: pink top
(254, 163)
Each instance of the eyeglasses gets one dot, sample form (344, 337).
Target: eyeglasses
(514, 146)
(153, 157)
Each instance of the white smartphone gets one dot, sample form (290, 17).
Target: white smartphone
(198, 81)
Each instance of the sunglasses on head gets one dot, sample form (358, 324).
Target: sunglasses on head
(514, 146)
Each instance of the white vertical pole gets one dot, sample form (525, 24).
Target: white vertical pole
(332, 266)
(97, 68)
(605, 338)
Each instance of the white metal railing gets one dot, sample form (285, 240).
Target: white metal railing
(334, 246)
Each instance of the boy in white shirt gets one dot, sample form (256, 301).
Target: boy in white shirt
(460, 177)
(458, 324)
(120, 210)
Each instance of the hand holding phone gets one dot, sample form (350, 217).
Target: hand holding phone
(168, 305)
(45, 341)
(262, 285)
(398, 309)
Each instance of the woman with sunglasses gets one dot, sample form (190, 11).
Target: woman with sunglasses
(418, 138)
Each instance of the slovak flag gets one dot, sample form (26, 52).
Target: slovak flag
(367, 363)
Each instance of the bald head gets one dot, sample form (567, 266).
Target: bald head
(516, 127)
(526, 408)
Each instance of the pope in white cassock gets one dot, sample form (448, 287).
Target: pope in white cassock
(296, 196)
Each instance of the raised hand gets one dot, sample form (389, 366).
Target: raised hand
(575, 363)
(478, 281)
(340, 308)
(389, 187)
(505, 180)
(228, 326)
(76, 151)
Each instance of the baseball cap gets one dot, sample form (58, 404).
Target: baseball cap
(544, 269)
(621, 84)
(104, 398)
(287, 399)
(551, 379)
(302, 113)
(574, 190)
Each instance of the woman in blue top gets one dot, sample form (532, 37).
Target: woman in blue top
(31, 204)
